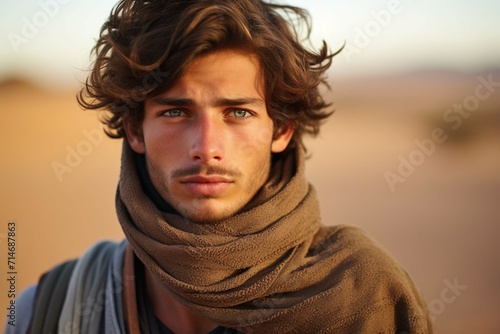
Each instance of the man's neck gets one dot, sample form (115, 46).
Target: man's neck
(177, 317)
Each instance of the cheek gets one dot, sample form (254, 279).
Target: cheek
(255, 139)
(159, 142)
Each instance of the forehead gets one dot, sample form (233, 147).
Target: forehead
(227, 59)
(224, 72)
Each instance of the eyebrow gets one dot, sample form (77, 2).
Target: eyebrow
(185, 102)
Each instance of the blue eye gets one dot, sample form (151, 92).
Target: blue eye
(173, 113)
(239, 113)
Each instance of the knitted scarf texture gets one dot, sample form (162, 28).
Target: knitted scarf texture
(273, 267)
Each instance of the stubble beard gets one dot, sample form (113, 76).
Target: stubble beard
(161, 182)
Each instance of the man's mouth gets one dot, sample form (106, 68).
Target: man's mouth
(206, 185)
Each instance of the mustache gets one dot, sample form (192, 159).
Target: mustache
(205, 170)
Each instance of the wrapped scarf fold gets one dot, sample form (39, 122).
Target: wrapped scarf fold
(272, 267)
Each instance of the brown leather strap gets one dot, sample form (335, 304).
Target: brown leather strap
(129, 293)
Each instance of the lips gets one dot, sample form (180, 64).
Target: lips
(205, 179)
(206, 185)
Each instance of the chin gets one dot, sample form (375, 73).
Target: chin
(207, 215)
(206, 219)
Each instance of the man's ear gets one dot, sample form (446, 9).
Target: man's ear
(282, 138)
(134, 136)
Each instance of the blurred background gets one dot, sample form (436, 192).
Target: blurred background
(411, 155)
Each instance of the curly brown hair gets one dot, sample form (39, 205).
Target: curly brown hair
(146, 46)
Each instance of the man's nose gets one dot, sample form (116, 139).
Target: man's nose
(207, 140)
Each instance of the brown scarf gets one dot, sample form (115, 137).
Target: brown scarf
(273, 267)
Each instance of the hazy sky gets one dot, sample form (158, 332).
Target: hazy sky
(50, 39)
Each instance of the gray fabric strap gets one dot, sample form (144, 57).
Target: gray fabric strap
(91, 302)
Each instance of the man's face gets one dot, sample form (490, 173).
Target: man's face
(208, 139)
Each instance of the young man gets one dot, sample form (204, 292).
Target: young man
(223, 233)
